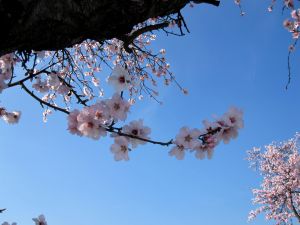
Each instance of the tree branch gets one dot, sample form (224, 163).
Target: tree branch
(2, 210)
(211, 2)
(128, 39)
(118, 132)
(41, 101)
(294, 209)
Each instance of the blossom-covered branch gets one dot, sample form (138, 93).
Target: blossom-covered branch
(58, 79)
(98, 119)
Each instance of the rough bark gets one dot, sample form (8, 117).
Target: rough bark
(57, 24)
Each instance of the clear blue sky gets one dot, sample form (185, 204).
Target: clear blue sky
(226, 60)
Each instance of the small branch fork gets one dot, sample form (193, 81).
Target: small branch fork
(128, 39)
(42, 102)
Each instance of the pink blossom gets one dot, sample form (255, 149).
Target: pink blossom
(73, 122)
(295, 14)
(88, 125)
(118, 107)
(178, 151)
(12, 117)
(234, 117)
(137, 129)
(100, 112)
(188, 138)
(6, 63)
(40, 220)
(120, 149)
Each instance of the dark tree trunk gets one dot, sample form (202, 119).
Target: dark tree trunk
(56, 24)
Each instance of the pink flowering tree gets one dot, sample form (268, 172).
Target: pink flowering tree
(279, 193)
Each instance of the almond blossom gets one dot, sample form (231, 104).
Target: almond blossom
(178, 151)
(137, 129)
(231, 122)
(10, 117)
(73, 122)
(88, 125)
(118, 107)
(188, 138)
(40, 220)
(6, 64)
(203, 142)
(120, 79)
(120, 149)
(99, 119)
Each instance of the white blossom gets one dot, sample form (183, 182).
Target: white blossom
(119, 79)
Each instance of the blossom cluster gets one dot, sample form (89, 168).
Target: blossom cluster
(91, 121)
(10, 117)
(54, 82)
(203, 142)
(279, 193)
(40, 220)
(293, 24)
(99, 119)
(96, 120)
(6, 64)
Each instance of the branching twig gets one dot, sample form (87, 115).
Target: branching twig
(42, 102)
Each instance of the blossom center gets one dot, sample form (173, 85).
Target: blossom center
(117, 106)
(90, 125)
(188, 138)
(123, 148)
(134, 132)
(122, 79)
(232, 119)
(98, 115)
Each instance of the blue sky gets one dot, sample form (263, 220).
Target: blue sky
(226, 60)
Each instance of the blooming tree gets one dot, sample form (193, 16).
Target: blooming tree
(279, 193)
